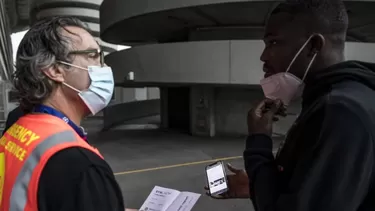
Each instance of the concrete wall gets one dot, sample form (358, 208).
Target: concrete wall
(208, 62)
(117, 10)
(123, 95)
(202, 111)
(360, 51)
(128, 98)
(215, 62)
(222, 111)
(131, 8)
(232, 106)
(126, 95)
(118, 113)
(153, 93)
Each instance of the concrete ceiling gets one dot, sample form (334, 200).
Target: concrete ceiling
(246, 20)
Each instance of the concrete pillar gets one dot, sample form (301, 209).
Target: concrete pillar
(153, 93)
(164, 107)
(141, 94)
(202, 111)
(127, 95)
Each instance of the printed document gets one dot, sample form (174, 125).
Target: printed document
(165, 199)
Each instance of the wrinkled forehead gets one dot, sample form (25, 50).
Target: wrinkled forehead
(283, 24)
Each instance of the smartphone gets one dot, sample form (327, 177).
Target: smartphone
(216, 178)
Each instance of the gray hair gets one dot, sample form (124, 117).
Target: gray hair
(42, 46)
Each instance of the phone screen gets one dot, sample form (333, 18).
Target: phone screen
(216, 177)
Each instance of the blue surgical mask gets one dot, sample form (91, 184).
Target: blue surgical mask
(100, 91)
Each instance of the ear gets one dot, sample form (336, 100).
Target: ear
(317, 43)
(55, 73)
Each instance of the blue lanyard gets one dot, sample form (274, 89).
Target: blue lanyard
(48, 110)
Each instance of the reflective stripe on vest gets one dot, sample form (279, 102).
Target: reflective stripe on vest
(25, 150)
(19, 196)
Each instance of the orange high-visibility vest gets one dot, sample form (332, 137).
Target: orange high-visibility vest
(25, 149)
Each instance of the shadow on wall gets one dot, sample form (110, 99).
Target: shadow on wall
(117, 114)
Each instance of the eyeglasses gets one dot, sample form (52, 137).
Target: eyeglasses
(97, 53)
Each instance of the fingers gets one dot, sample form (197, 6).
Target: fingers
(268, 100)
(275, 107)
(232, 169)
(215, 196)
(261, 105)
(270, 114)
(268, 105)
(258, 110)
(220, 196)
(282, 111)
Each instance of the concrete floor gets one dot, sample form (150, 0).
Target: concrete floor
(130, 150)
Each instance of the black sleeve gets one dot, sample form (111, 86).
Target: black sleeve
(335, 175)
(76, 179)
(262, 171)
(12, 118)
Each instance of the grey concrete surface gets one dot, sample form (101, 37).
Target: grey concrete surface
(117, 114)
(128, 150)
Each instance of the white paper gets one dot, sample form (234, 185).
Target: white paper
(159, 199)
(165, 199)
(184, 202)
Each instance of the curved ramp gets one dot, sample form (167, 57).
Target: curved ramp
(117, 114)
(145, 21)
(86, 10)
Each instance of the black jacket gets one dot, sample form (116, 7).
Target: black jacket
(12, 118)
(327, 162)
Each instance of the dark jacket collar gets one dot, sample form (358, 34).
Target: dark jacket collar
(318, 84)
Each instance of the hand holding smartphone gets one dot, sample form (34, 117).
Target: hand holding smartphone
(216, 178)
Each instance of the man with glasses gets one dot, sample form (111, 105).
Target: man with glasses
(46, 162)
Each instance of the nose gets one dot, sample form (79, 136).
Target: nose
(264, 55)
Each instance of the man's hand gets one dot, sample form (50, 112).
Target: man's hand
(238, 185)
(261, 117)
